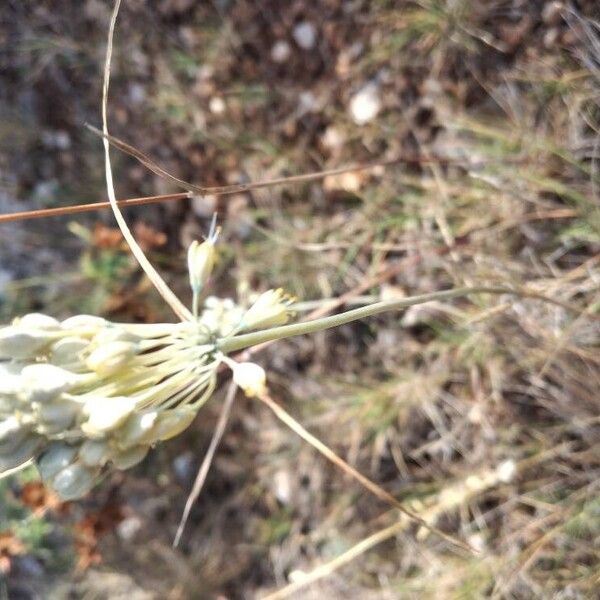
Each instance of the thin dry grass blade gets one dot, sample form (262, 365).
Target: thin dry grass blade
(81, 208)
(153, 166)
(206, 463)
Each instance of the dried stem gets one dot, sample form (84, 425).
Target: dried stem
(163, 289)
(375, 489)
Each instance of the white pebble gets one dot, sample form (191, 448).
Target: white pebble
(280, 51)
(305, 35)
(365, 104)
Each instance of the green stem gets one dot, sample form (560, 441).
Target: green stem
(239, 342)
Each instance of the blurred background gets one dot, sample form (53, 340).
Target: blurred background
(495, 107)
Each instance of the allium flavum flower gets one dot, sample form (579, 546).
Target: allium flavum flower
(84, 394)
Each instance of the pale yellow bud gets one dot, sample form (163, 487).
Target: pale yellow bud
(38, 321)
(172, 422)
(106, 414)
(250, 377)
(137, 429)
(21, 342)
(111, 357)
(129, 458)
(83, 322)
(68, 350)
(201, 260)
(43, 381)
(94, 453)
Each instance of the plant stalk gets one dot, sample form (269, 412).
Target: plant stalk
(239, 342)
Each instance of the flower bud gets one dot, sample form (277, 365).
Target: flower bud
(10, 379)
(270, 310)
(201, 260)
(129, 458)
(172, 422)
(250, 377)
(55, 458)
(24, 451)
(38, 321)
(74, 481)
(137, 429)
(106, 414)
(56, 416)
(12, 434)
(111, 357)
(68, 350)
(19, 342)
(113, 334)
(83, 322)
(42, 381)
(94, 453)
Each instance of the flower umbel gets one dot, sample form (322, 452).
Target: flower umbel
(85, 393)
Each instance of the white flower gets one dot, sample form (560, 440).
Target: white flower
(270, 309)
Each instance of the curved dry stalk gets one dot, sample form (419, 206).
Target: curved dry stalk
(375, 489)
(163, 289)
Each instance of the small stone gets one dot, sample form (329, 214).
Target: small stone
(217, 105)
(506, 471)
(305, 35)
(332, 139)
(128, 528)
(365, 104)
(280, 52)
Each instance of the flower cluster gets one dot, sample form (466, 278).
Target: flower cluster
(84, 394)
